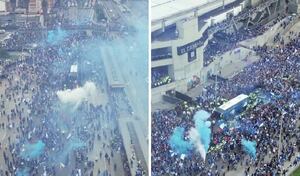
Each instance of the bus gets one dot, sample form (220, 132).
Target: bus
(233, 106)
(72, 79)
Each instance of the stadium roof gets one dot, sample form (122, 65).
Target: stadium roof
(171, 11)
(165, 8)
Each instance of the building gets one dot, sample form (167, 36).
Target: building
(186, 32)
(3, 6)
(35, 6)
(50, 5)
(294, 6)
(178, 37)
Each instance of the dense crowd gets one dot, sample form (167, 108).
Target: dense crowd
(224, 41)
(272, 122)
(159, 78)
(31, 113)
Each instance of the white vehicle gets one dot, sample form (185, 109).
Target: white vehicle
(2, 31)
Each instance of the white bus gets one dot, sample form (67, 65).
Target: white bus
(232, 106)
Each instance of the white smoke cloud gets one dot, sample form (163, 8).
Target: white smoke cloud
(76, 96)
(196, 141)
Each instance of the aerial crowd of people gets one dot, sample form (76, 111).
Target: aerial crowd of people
(272, 121)
(39, 135)
(223, 41)
(225, 38)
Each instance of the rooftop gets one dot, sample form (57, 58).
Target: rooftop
(171, 11)
(233, 102)
(165, 8)
(74, 69)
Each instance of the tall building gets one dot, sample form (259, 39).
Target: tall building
(50, 4)
(35, 6)
(3, 6)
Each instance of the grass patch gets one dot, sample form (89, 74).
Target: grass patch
(296, 172)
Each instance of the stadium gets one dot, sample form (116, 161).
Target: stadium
(225, 87)
(181, 39)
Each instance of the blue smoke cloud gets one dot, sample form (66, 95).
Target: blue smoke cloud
(203, 127)
(33, 151)
(199, 137)
(56, 36)
(177, 142)
(249, 147)
(22, 172)
(202, 115)
(71, 145)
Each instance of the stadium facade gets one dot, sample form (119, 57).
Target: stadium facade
(179, 35)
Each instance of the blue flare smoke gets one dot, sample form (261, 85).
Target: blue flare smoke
(22, 172)
(33, 151)
(56, 36)
(70, 146)
(203, 129)
(177, 142)
(249, 147)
